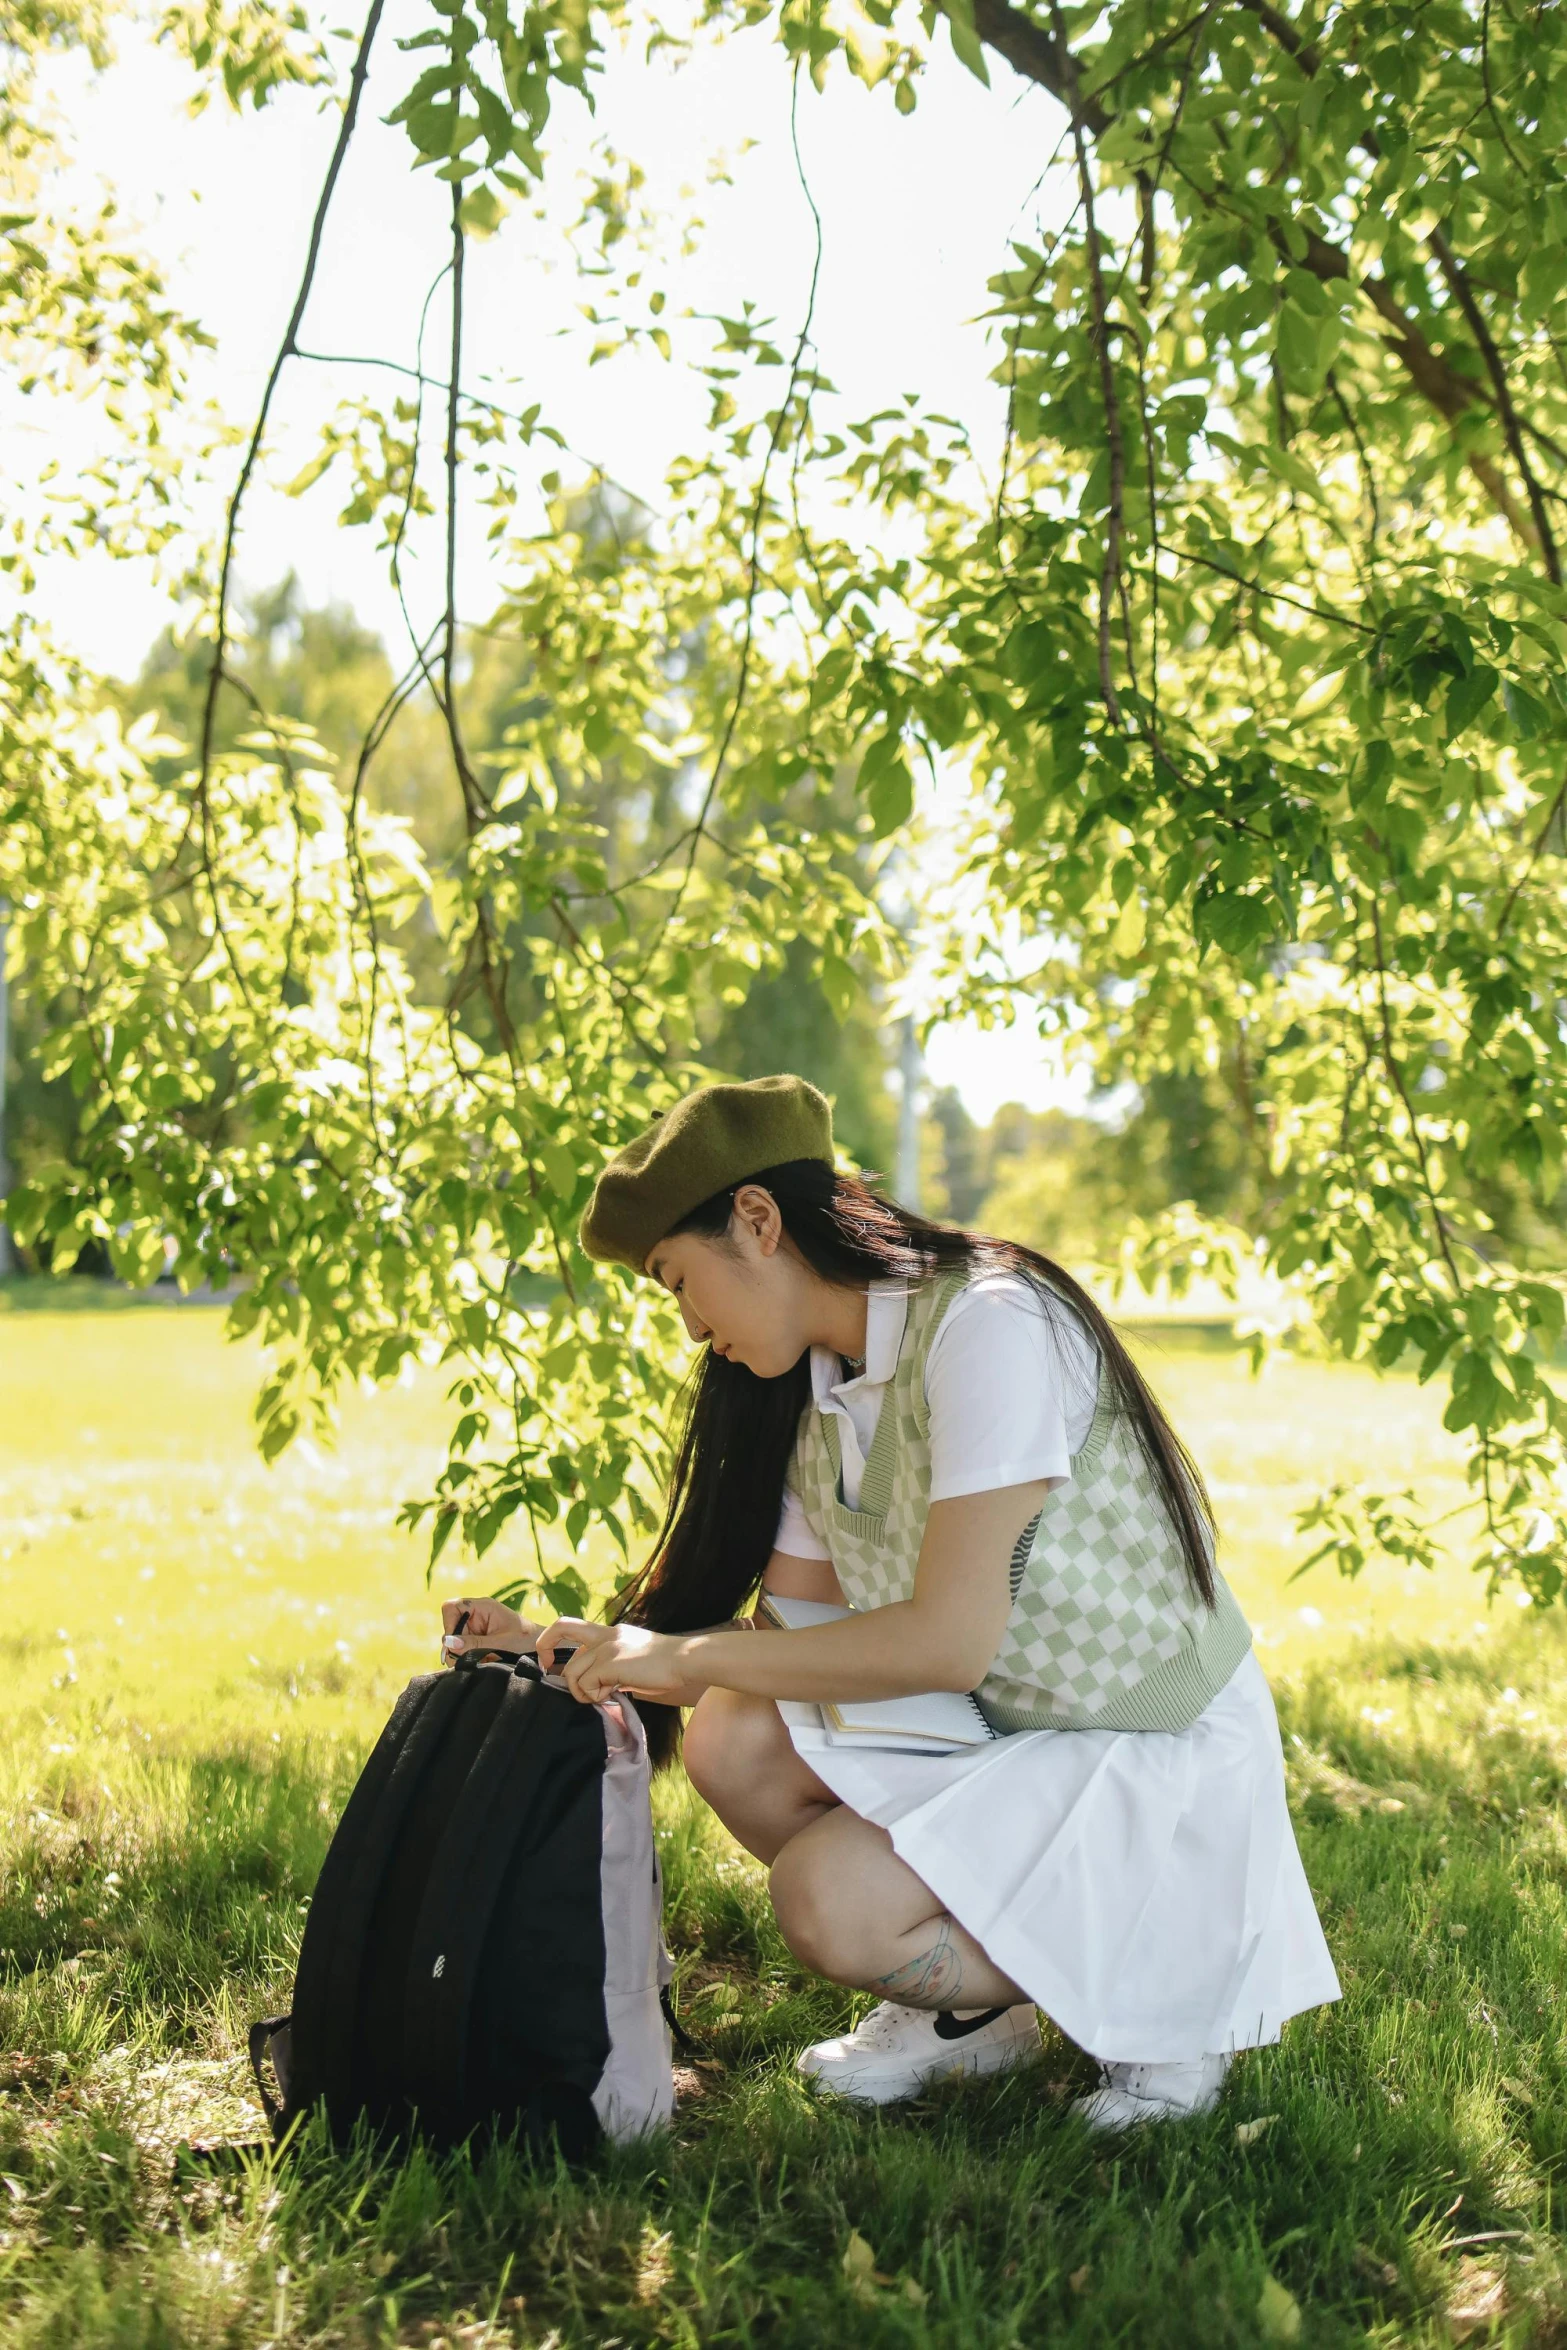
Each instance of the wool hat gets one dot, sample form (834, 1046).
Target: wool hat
(718, 1136)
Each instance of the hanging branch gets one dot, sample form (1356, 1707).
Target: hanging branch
(758, 513)
(385, 717)
(1458, 284)
(493, 967)
(1394, 1070)
(1149, 249)
(1424, 363)
(1148, 185)
(285, 352)
(1111, 577)
(1553, 817)
(1513, 157)
(396, 700)
(1051, 63)
(217, 675)
(1367, 469)
(476, 809)
(475, 806)
(437, 383)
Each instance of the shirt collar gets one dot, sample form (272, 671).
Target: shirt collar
(886, 1315)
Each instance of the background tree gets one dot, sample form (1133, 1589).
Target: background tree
(1253, 664)
(1079, 1185)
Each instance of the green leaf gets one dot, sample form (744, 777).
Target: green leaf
(560, 1167)
(838, 984)
(1235, 923)
(312, 471)
(1467, 697)
(966, 44)
(1287, 467)
(567, 1593)
(1278, 2312)
(1300, 342)
(891, 796)
(482, 211)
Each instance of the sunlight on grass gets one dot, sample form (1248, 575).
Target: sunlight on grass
(146, 1549)
(1269, 1445)
(195, 1652)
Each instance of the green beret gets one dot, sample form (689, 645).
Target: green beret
(718, 1136)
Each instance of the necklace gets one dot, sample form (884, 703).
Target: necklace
(854, 1365)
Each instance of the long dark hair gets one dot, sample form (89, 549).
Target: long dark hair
(738, 1431)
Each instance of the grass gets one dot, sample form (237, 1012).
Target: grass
(194, 1653)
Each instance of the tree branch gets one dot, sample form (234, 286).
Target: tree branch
(1394, 1071)
(754, 563)
(1048, 61)
(1037, 55)
(1456, 278)
(285, 352)
(1110, 577)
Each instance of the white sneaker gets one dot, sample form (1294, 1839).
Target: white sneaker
(898, 2049)
(1136, 2093)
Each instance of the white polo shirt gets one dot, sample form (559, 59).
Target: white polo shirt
(1011, 1380)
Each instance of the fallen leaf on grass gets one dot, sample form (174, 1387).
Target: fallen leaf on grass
(1247, 2133)
(1479, 2296)
(1517, 2089)
(1371, 2264)
(1078, 2280)
(860, 2272)
(863, 2277)
(1278, 2312)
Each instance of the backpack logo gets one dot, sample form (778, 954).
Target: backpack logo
(439, 1967)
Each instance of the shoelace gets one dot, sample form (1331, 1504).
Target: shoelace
(884, 2025)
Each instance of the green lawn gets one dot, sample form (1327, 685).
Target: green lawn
(194, 1652)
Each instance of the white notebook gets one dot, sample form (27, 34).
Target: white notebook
(942, 1721)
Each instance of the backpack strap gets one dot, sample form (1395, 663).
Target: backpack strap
(261, 2036)
(677, 2031)
(502, 1790)
(332, 1955)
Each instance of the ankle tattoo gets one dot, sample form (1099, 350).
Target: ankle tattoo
(934, 1979)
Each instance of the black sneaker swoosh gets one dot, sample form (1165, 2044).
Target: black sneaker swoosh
(951, 2027)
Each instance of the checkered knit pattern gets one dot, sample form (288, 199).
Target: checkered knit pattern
(1105, 1631)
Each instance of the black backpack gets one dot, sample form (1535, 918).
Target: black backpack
(483, 1949)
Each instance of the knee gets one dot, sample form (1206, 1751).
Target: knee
(812, 1915)
(721, 1739)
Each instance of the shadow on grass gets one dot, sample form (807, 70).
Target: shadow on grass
(151, 1901)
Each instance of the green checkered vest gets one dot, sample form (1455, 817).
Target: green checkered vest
(1105, 1632)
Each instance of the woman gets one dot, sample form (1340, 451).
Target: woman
(944, 1431)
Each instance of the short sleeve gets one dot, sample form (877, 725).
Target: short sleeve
(795, 1537)
(1011, 1381)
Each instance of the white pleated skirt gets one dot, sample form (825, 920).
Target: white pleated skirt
(1143, 1887)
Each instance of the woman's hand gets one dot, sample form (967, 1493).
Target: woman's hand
(621, 1656)
(489, 1625)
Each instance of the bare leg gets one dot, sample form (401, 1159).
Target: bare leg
(741, 1760)
(850, 1909)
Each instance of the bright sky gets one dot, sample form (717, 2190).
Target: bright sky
(917, 215)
